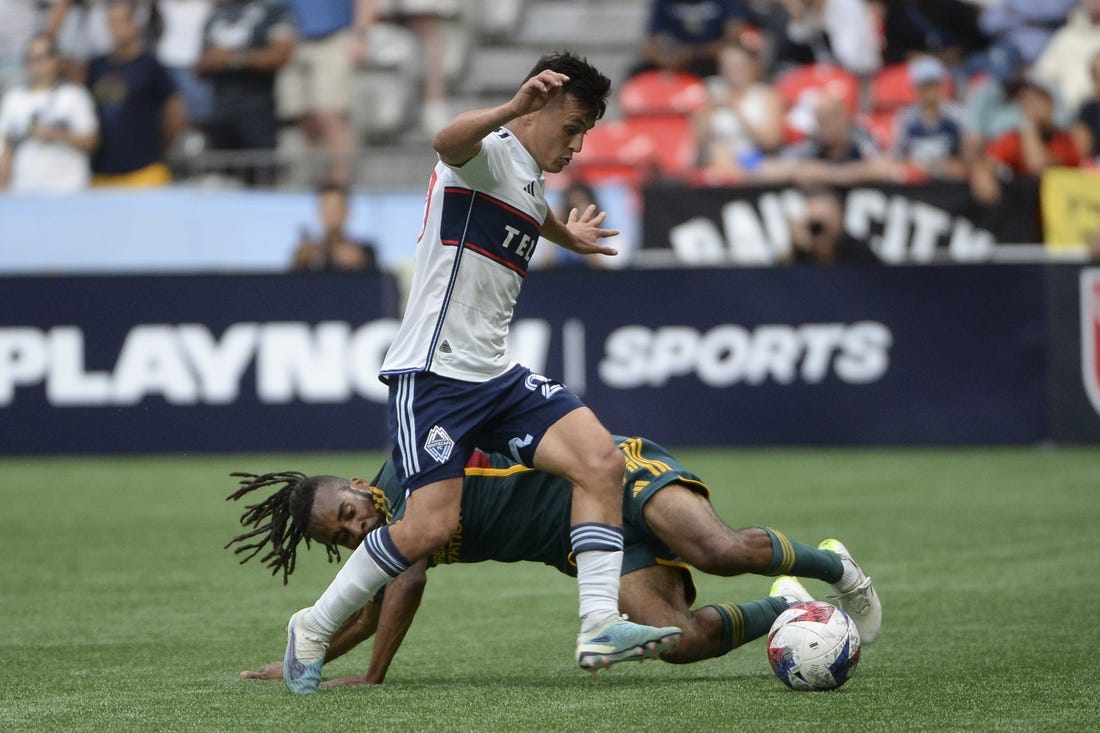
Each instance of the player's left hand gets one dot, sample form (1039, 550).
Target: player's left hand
(270, 671)
(585, 232)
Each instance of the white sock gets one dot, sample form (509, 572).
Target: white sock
(851, 574)
(598, 574)
(356, 583)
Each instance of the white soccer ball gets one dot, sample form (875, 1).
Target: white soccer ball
(813, 646)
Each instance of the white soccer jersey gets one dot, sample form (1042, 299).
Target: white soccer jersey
(481, 225)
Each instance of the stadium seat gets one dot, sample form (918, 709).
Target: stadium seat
(661, 93)
(672, 139)
(819, 78)
(891, 89)
(614, 152)
(881, 125)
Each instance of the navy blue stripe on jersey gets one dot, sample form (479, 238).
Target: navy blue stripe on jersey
(384, 552)
(406, 424)
(492, 228)
(595, 536)
(454, 211)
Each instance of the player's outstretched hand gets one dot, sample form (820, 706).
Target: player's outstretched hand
(537, 91)
(585, 232)
(270, 671)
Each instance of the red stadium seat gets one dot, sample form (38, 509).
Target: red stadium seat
(672, 139)
(637, 149)
(820, 78)
(881, 125)
(891, 88)
(662, 93)
(612, 151)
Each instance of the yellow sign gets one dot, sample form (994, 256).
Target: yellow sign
(1071, 207)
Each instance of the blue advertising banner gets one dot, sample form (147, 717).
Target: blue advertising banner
(211, 363)
(928, 355)
(828, 356)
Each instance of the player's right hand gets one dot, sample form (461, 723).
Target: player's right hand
(538, 90)
(270, 671)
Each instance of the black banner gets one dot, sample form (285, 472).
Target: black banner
(1073, 321)
(696, 356)
(902, 223)
(190, 363)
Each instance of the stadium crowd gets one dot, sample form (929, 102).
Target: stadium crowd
(818, 93)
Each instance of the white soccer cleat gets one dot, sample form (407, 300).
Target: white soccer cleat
(304, 657)
(858, 598)
(788, 588)
(619, 640)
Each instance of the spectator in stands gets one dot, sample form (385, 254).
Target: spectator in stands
(426, 18)
(742, 120)
(333, 249)
(1039, 143)
(245, 43)
(1086, 130)
(839, 152)
(1024, 27)
(840, 32)
(18, 20)
(314, 89)
(929, 134)
(1061, 62)
(179, 48)
(140, 111)
(82, 31)
(686, 35)
(47, 128)
(947, 29)
(818, 236)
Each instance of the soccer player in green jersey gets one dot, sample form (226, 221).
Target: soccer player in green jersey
(513, 513)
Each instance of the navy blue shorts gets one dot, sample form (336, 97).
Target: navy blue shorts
(436, 422)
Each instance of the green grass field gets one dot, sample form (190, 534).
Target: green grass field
(121, 610)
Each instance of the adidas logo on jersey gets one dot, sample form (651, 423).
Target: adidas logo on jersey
(530, 188)
(445, 347)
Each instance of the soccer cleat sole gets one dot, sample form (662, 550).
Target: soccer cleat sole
(595, 661)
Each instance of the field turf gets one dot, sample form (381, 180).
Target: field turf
(119, 609)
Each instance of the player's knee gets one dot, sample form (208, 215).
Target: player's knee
(603, 465)
(436, 530)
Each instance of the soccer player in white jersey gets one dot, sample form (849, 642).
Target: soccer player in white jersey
(452, 387)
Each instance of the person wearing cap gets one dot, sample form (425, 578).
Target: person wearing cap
(928, 134)
(1037, 144)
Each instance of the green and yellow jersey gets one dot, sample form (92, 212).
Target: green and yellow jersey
(511, 513)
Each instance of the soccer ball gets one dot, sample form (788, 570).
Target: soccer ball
(813, 646)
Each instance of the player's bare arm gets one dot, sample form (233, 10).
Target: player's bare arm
(399, 607)
(460, 140)
(581, 232)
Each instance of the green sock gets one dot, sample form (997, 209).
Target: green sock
(794, 558)
(743, 622)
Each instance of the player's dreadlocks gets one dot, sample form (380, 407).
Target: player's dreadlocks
(288, 511)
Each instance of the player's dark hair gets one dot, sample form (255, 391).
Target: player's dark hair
(586, 84)
(287, 514)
